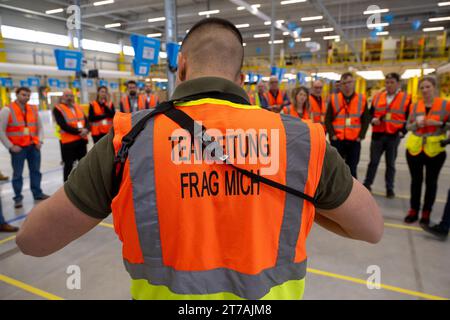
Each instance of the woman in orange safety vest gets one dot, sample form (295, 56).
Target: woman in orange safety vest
(299, 107)
(101, 113)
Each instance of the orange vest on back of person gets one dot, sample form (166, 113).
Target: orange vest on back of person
(101, 126)
(176, 226)
(275, 101)
(440, 111)
(144, 104)
(393, 117)
(292, 111)
(74, 117)
(347, 118)
(318, 111)
(23, 127)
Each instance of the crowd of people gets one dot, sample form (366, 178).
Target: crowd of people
(345, 116)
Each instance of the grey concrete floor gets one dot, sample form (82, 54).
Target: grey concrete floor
(412, 264)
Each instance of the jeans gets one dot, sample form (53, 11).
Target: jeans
(350, 151)
(33, 157)
(378, 145)
(2, 218)
(433, 167)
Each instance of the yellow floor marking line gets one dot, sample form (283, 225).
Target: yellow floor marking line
(7, 239)
(400, 226)
(28, 288)
(108, 225)
(402, 196)
(383, 286)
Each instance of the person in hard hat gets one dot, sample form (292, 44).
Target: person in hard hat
(101, 113)
(21, 133)
(74, 130)
(347, 121)
(428, 122)
(148, 99)
(193, 224)
(390, 109)
(300, 107)
(277, 98)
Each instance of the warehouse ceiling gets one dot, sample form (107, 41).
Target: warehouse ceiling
(346, 17)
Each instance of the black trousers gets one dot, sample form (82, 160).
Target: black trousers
(72, 152)
(445, 223)
(350, 151)
(432, 166)
(379, 145)
(96, 138)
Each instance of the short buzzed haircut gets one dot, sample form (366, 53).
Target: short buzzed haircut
(394, 76)
(346, 75)
(214, 44)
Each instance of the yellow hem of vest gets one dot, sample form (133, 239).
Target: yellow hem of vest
(143, 290)
(215, 101)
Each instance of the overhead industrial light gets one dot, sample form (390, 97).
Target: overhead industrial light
(376, 11)
(154, 35)
(156, 19)
(268, 23)
(101, 3)
(382, 33)
(439, 19)
(328, 75)
(291, 2)
(371, 75)
(254, 6)
(286, 33)
(261, 35)
(276, 42)
(331, 37)
(244, 44)
(377, 25)
(324, 30)
(207, 13)
(244, 25)
(311, 18)
(411, 73)
(433, 29)
(303, 40)
(443, 4)
(113, 25)
(54, 11)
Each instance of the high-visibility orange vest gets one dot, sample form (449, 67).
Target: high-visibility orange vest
(203, 231)
(74, 117)
(318, 111)
(347, 118)
(292, 111)
(143, 104)
(101, 126)
(393, 117)
(23, 128)
(126, 104)
(439, 111)
(427, 139)
(278, 100)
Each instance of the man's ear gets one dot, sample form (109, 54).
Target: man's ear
(181, 72)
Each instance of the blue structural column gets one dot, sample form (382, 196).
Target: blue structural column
(170, 10)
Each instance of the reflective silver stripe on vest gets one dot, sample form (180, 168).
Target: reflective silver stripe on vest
(336, 103)
(15, 122)
(68, 118)
(360, 101)
(402, 104)
(217, 280)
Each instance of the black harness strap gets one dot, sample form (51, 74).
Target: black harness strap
(196, 131)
